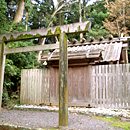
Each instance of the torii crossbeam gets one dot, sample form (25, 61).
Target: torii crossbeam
(61, 31)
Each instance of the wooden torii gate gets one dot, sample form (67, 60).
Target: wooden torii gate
(61, 31)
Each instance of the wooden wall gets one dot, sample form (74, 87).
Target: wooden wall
(78, 85)
(103, 86)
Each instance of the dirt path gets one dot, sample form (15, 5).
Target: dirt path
(36, 119)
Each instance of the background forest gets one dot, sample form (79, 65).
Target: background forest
(107, 17)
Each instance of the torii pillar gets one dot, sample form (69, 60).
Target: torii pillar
(2, 66)
(63, 84)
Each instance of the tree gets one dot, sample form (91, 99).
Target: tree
(119, 17)
(20, 11)
(3, 19)
(97, 13)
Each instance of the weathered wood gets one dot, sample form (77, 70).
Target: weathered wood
(114, 86)
(63, 84)
(34, 86)
(31, 48)
(51, 31)
(2, 66)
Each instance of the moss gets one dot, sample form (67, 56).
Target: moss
(68, 30)
(58, 30)
(115, 121)
(123, 125)
(4, 38)
(38, 35)
(11, 37)
(79, 28)
(87, 26)
(26, 36)
(108, 119)
(49, 32)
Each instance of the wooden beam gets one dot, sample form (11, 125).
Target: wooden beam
(2, 66)
(31, 48)
(46, 32)
(63, 84)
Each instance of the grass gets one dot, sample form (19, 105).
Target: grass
(116, 122)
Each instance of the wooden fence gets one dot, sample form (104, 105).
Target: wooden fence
(111, 86)
(34, 86)
(42, 86)
(102, 85)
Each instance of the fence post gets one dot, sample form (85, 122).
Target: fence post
(63, 84)
(2, 66)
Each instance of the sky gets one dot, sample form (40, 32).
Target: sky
(90, 2)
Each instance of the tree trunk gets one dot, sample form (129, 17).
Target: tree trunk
(26, 22)
(85, 2)
(20, 11)
(80, 18)
(84, 5)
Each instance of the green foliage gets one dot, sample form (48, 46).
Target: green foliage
(3, 9)
(97, 17)
(39, 16)
(10, 68)
(5, 98)
(97, 13)
(97, 31)
(3, 22)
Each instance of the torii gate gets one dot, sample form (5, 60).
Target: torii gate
(61, 31)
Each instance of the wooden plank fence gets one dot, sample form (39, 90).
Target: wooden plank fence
(100, 86)
(34, 86)
(111, 86)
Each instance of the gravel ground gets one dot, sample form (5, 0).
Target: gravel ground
(37, 119)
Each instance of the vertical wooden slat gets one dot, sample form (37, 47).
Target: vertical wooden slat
(128, 87)
(29, 91)
(106, 84)
(93, 86)
(121, 86)
(97, 88)
(124, 78)
(48, 85)
(41, 85)
(103, 85)
(116, 86)
(111, 101)
(100, 85)
(109, 86)
(22, 92)
(51, 85)
(44, 85)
